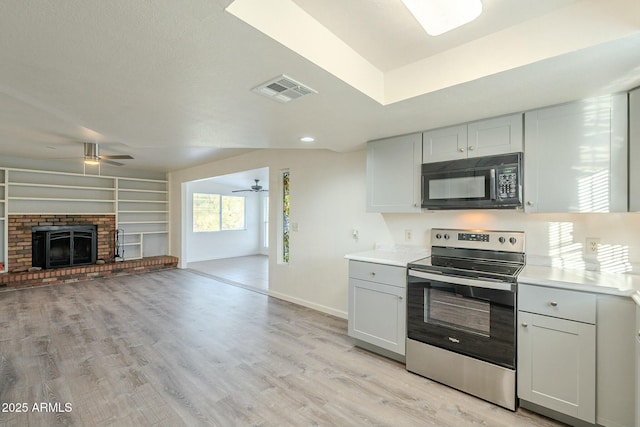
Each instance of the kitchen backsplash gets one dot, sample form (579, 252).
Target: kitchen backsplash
(557, 240)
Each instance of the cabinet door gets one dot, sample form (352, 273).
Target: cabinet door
(377, 314)
(576, 157)
(615, 361)
(393, 174)
(500, 135)
(637, 335)
(634, 151)
(556, 364)
(444, 144)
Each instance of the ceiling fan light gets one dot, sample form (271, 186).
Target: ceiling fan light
(439, 16)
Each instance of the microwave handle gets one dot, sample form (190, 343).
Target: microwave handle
(492, 184)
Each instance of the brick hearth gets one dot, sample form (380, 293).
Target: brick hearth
(89, 272)
(19, 253)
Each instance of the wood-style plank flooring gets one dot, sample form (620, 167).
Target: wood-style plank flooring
(251, 272)
(175, 348)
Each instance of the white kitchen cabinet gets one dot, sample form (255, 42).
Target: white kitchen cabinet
(448, 143)
(575, 158)
(499, 135)
(377, 308)
(615, 361)
(393, 174)
(634, 150)
(557, 356)
(637, 341)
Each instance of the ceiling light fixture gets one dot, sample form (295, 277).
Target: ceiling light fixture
(439, 16)
(307, 139)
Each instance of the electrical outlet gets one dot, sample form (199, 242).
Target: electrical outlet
(591, 246)
(408, 234)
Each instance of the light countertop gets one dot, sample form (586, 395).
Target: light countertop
(398, 256)
(581, 280)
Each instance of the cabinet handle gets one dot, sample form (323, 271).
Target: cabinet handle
(524, 325)
(529, 203)
(471, 148)
(400, 297)
(461, 150)
(553, 304)
(373, 273)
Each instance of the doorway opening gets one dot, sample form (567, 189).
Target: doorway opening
(226, 228)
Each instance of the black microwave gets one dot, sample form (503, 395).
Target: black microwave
(491, 182)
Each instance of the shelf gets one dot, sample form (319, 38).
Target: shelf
(143, 201)
(164, 181)
(143, 222)
(62, 213)
(135, 233)
(142, 191)
(76, 187)
(54, 199)
(128, 212)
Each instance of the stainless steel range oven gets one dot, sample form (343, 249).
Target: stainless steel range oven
(461, 312)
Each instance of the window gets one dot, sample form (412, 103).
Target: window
(214, 212)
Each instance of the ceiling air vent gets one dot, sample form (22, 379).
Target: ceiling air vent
(283, 89)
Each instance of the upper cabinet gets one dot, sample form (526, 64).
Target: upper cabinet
(634, 150)
(393, 174)
(499, 135)
(576, 157)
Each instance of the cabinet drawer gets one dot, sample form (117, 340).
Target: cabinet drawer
(561, 303)
(388, 274)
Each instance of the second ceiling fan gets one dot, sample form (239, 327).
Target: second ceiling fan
(257, 188)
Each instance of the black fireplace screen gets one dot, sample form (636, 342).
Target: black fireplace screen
(64, 246)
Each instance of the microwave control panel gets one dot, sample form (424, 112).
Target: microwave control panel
(508, 183)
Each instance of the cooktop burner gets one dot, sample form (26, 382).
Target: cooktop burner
(496, 255)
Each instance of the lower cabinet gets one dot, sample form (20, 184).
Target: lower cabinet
(575, 355)
(636, 332)
(557, 364)
(377, 308)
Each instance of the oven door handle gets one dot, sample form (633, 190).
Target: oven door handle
(480, 283)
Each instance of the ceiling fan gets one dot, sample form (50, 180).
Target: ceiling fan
(92, 156)
(257, 188)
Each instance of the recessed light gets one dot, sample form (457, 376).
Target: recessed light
(307, 139)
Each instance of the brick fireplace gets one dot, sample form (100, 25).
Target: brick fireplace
(20, 227)
(20, 253)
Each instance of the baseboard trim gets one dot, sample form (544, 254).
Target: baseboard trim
(308, 304)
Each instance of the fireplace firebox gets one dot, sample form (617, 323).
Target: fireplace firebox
(63, 246)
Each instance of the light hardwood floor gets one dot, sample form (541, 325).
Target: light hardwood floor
(175, 348)
(251, 272)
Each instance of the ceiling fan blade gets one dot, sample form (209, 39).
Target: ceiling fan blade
(119, 156)
(111, 162)
(240, 191)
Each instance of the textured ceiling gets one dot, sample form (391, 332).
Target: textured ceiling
(169, 82)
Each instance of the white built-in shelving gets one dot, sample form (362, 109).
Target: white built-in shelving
(140, 206)
(143, 215)
(45, 192)
(3, 221)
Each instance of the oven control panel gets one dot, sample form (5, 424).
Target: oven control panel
(473, 237)
(508, 241)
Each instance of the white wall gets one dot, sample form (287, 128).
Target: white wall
(225, 243)
(328, 202)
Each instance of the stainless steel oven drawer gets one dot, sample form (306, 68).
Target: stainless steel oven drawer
(387, 274)
(561, 303)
